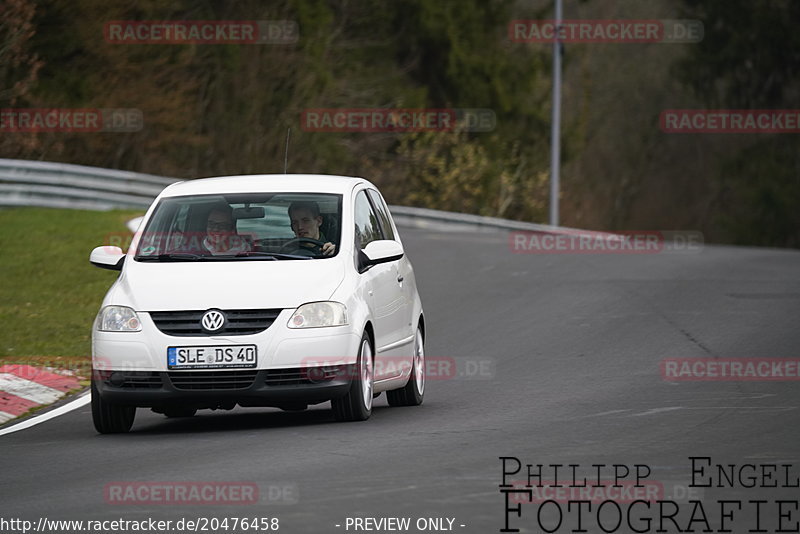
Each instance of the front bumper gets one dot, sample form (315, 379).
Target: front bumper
(282, 388)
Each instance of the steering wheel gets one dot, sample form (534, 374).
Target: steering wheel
(295, 243)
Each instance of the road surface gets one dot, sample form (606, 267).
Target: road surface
(560, 358)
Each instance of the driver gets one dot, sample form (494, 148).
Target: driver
(306, 221)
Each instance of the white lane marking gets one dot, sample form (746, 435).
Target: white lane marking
(610, 412)
(28, 389)
(658, 410)
(5, 416)
(717, 408)
(80, 402)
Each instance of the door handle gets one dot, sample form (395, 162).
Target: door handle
(400, 278)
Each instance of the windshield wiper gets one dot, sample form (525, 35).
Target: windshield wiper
(184, 256)
(272, 255)
(176, 256)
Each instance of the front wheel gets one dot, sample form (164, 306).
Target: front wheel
(414, 390)
(357, 404)
(110, 418)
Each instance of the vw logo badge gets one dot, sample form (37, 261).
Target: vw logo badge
(212, 321)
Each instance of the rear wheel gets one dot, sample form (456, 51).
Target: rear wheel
(414, 390)
(357, 404)
(110, 418)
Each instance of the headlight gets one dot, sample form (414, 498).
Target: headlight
(318, 314)
(117, 319)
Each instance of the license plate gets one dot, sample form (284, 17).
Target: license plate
(212, 357)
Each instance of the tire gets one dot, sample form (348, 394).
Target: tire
(110, 418)
(357, 404)
(179, 411)
(413, 392)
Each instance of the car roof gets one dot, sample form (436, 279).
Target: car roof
(272, 183)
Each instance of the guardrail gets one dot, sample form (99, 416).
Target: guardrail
(63, 185)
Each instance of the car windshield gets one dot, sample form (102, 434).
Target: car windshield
(242, 227)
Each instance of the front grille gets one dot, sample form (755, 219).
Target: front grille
(212, 380)
(299, 376)
(134, 379)
(239, 322)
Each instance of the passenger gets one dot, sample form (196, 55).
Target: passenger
(221, 237)
(306, 222)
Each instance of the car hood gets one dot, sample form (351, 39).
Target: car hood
(229, 285)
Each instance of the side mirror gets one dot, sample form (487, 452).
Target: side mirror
(107, 258)
(381, 251)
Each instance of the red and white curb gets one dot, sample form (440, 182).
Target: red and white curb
(23, 387)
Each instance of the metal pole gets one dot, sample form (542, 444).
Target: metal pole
(555, 130)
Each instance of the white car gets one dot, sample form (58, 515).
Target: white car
(264, 290)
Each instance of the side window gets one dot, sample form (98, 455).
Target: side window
(383, 213)
(367, 228)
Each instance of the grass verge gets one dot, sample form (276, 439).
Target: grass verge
(50, 293)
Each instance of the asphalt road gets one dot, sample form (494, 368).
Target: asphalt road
(570, 347)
